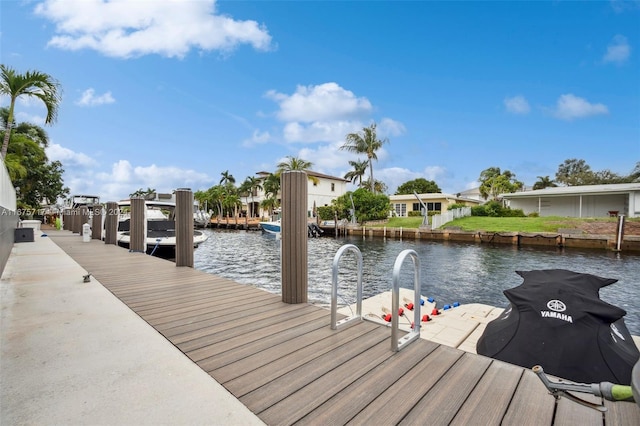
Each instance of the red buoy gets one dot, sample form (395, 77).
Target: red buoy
(425, 318)
(409, 306)
(434, 312)
(387, 317)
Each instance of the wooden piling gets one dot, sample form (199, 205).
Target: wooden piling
(96, 223)
(184, 227)
(83, 218)
(138, 225)
(293, 231)
(111, 223)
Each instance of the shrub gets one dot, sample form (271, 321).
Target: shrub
(415, 213)
(325, 212)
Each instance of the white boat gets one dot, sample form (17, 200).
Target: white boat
(161, 232)
(271, 227)
(201, 218)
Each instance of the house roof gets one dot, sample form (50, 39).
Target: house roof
(431, 196)
(617, 188)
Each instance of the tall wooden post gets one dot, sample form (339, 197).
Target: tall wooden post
(138, 226)
(76, 226)
(111, 223)
(293, 231)
(96, 223)
(83, 218)
(66, 220)
(184, 227)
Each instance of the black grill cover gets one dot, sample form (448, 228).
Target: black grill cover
(557, 320)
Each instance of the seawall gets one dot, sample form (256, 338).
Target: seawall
(542, 239)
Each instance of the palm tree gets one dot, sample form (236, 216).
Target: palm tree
(32, 83)
(227, 178)
(271, 185)
(544, 182)
(250, 185)
(294, 163)
(365, 142)
(359, 170)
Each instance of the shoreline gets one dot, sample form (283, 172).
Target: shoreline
(629, 243)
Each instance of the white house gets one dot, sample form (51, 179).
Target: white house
(579, 201)
(438, 201)
(319, 193)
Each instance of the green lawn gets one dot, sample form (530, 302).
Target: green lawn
(501, 224)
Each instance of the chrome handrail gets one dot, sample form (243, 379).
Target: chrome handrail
(397, 344)
(335, 324)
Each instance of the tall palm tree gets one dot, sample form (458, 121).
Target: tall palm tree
(227, 178)
(359, 170)
(365, 142)
(271, 185)
(251, 184)
(295, 163)
(30, 84)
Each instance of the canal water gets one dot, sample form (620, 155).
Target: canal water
(450, 272)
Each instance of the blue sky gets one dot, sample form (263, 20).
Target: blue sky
(170, 94)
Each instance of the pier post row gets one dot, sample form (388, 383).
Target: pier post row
(111, 223)
(138, 225)
(294, 237)
(184, 227)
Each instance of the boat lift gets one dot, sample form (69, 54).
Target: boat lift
(396, 343)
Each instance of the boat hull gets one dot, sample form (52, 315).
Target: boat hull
(270, 227)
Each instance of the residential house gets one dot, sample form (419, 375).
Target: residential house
(320, 192)
(579, 201)
(438, 202)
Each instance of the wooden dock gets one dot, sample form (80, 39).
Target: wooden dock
(287, 366)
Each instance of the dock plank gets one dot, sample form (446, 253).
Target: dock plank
(287, 366)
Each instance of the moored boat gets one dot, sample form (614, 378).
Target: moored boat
(160, 227)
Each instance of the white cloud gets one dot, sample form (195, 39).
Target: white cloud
(126, 28)
(324, 102)
(56, 152)
(389, 127)
(570, 107)
(89, 98)
(517, 105)
(618, 50)
(319, 131)
(257, 138)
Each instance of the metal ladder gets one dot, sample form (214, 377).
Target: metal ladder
(396, 343)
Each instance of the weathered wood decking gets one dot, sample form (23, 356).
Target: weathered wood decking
(287, 366)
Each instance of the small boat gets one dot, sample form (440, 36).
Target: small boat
(271, 227)
(201, 218)
(161, 232)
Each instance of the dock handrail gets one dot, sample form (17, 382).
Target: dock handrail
(398, 344)
(335, 324)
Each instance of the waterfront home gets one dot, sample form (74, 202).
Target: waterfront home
(579, 201)
(402, 205)
(321, 191)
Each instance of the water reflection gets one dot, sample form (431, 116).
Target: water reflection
(450, 272)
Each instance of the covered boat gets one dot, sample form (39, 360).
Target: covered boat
(558, 321)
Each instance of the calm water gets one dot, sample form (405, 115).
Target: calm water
(450, 272)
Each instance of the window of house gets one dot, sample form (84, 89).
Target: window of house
(416, 207)
(400, 209)
(333, 187)
(434, 206)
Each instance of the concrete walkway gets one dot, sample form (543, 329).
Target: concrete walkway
(72, 354)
